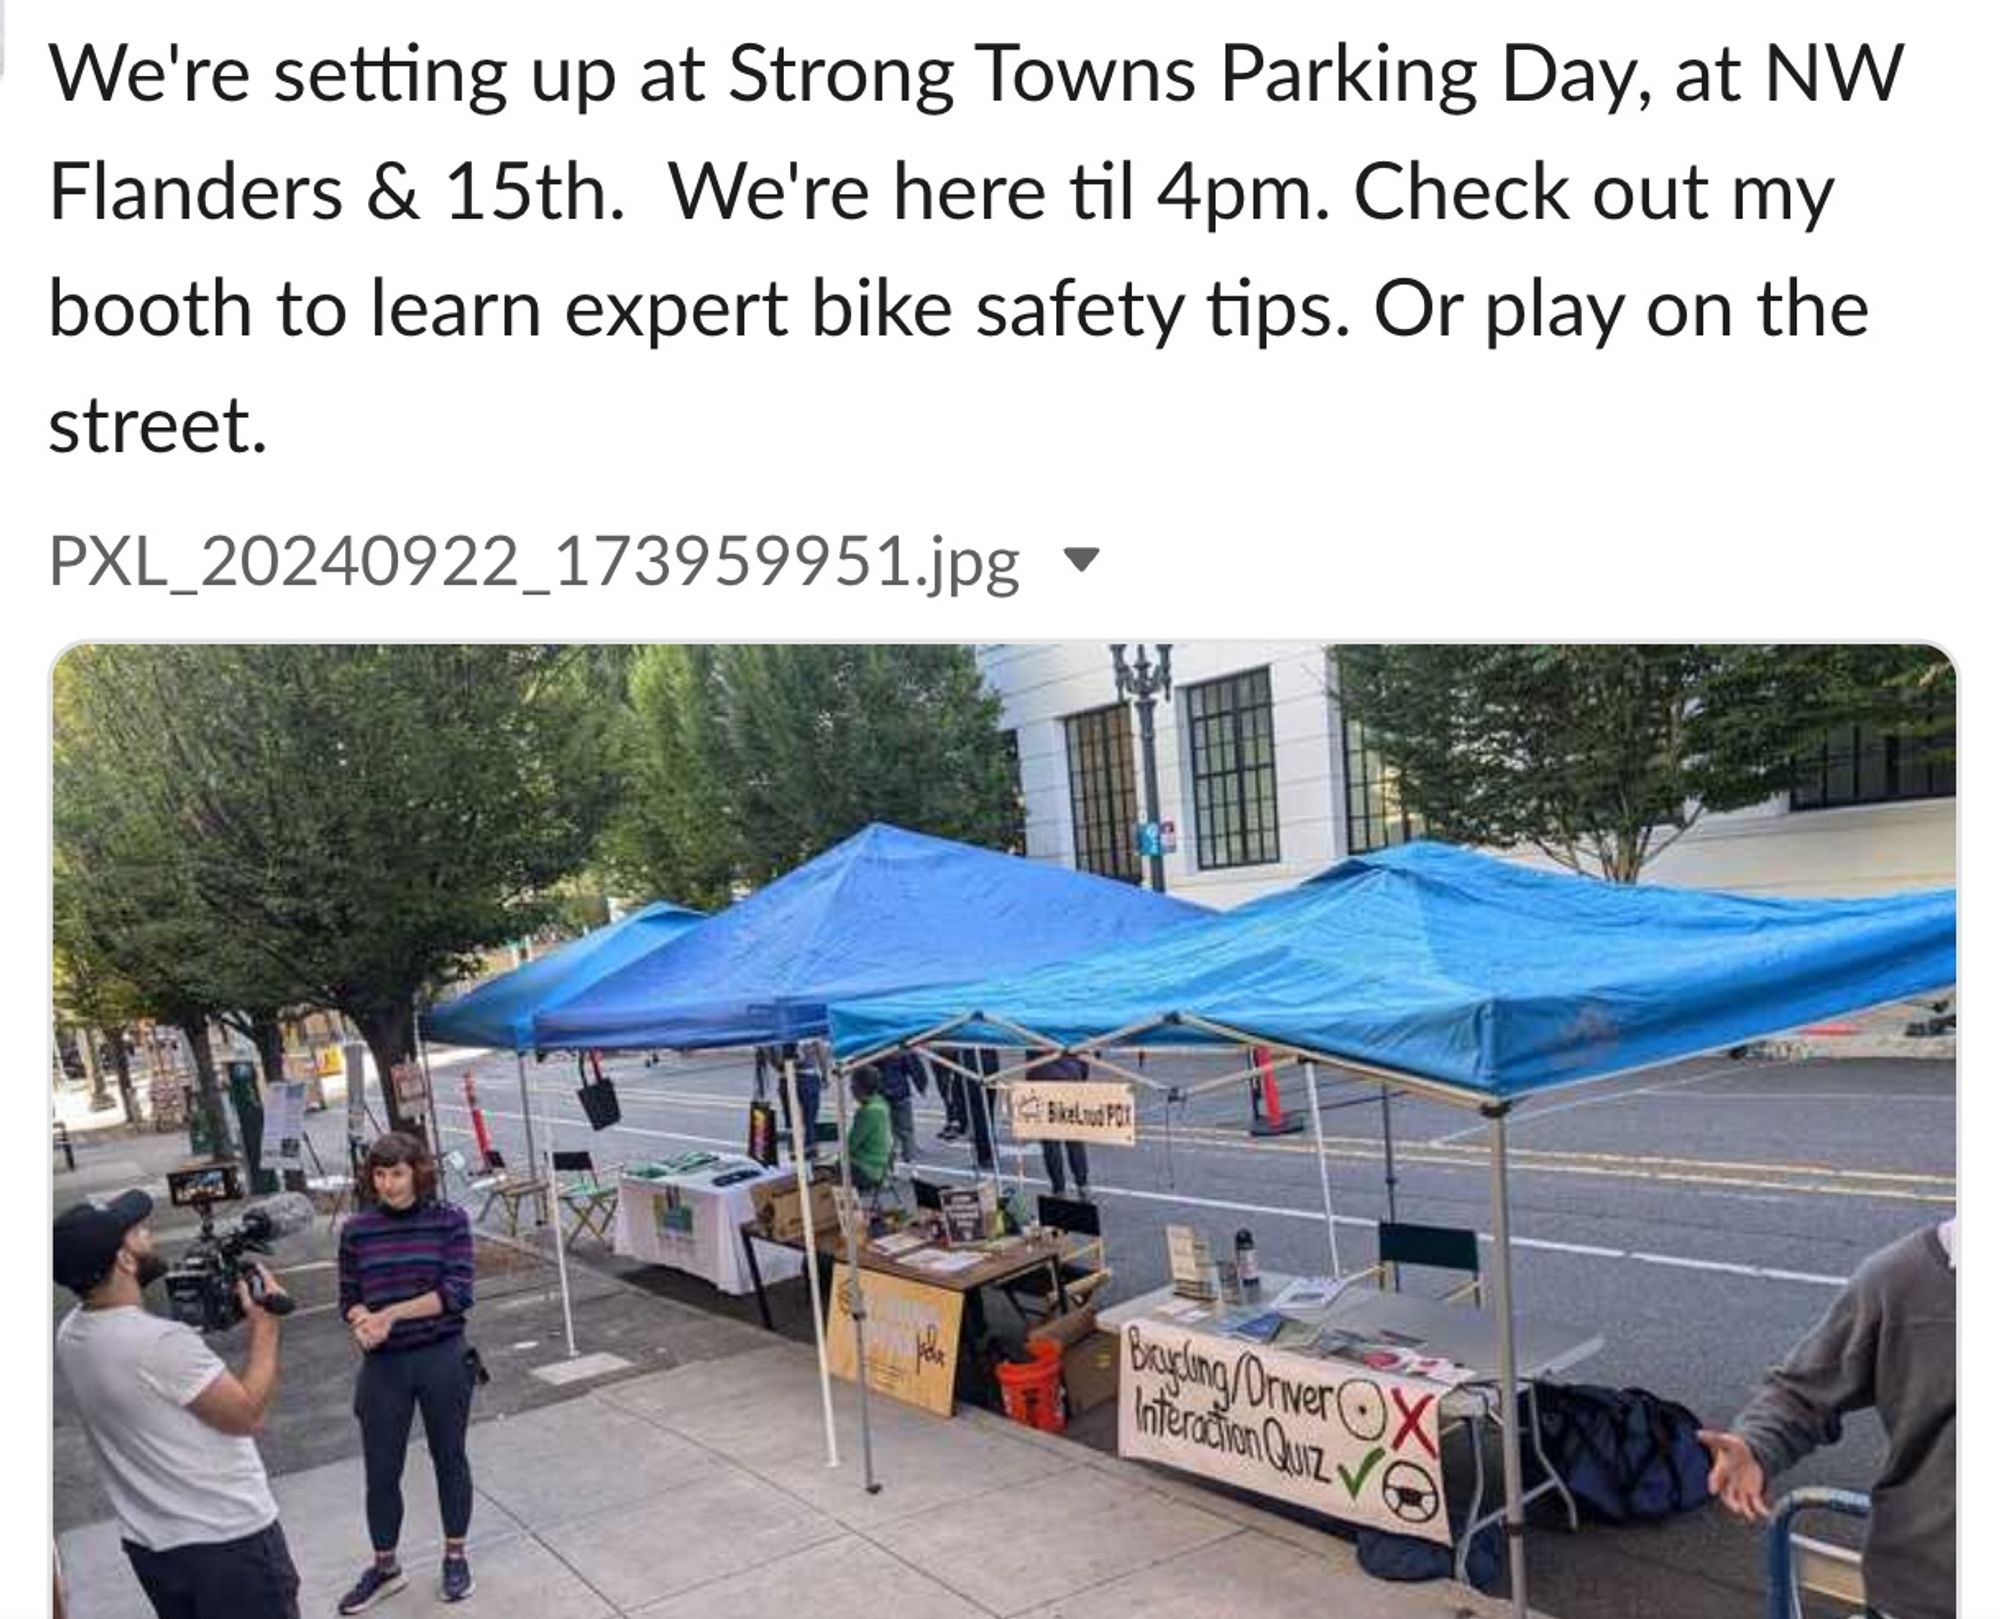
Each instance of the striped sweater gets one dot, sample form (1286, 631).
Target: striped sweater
(388, 1256)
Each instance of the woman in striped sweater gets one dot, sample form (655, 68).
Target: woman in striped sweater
(405, 1286)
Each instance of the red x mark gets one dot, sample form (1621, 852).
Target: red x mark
(1412, 1415)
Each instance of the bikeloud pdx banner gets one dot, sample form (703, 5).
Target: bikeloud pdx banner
(1055, 1111)
(1352, 1443)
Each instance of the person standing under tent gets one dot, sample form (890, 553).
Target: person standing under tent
(951, 1086)
(902, 1075)
(771, 1060)
(870, 1143)
(978, 1096)
(1065, 1070)
(406, 1275)
(1889, 1340)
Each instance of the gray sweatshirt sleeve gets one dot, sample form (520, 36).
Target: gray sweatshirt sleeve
(1830, 1372)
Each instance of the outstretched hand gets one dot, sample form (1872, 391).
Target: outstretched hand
(1736, 1477)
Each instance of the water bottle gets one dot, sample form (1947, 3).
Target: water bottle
(1246, 1258)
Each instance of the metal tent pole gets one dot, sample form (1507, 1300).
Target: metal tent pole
(812, 1252)
(857, 1303)
(555, 1226)
(1510, 1405)
(1319, 1153)
(528, 1125)
(1388, 1156)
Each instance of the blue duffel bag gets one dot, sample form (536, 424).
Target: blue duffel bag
(1625, 1454)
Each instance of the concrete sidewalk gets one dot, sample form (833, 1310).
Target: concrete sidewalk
(702, 1492)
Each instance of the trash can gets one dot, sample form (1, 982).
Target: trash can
(248, 1100)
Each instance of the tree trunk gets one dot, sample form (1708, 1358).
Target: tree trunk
(100, 1098)
(267, 1034)
(121, 1062)
(207, 1092)
(391, 1036)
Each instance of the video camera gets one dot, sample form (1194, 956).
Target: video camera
(201, 1288)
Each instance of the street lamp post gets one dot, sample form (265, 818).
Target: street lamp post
(1145, 682)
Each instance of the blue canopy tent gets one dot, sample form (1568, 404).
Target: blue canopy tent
(886, 910)
(499, 1014)
(1460, 976)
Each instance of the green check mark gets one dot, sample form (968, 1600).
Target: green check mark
(1354, 1481)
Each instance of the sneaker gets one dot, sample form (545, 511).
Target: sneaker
(455, 1583)
(951, 1132)
(376, 1582)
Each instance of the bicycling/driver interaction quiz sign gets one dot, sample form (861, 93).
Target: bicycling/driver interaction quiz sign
(1356, 1444)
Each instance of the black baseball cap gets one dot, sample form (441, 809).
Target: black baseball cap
(89, 1235)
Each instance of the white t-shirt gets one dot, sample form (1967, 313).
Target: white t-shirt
(173, 1480)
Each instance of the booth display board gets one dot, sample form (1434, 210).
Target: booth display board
(285, 1124)
(1358, 1445)
(912, 1338)
(1061, 1111)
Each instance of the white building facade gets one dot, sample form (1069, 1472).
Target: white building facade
(1264, 784)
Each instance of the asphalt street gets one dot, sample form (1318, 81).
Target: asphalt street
(1699, 1218)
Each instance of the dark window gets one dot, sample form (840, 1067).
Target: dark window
(1376, 815)
(1102, 797)
(1235, 771)
(1865, 764)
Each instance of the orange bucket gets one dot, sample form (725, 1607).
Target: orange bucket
(1032, 1395)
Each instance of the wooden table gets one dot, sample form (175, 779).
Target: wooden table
(1022, 1258)
(1019, 1257)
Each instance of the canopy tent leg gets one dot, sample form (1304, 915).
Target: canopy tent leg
(1388, 1156)
(1319, 1152)
(1510, 1405)
(812, 1253)
(528, 1125)
(548, 1199)
(858, 1302)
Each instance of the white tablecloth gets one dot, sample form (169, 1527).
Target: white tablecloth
(691, 1224)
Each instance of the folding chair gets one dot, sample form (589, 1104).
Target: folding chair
(508, 1190)
(1428, 1247)
(590, 1202)
(1081, 1272)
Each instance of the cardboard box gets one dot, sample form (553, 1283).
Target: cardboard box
(780, 1213)
(1090, 1358)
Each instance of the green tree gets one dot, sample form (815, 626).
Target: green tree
(675, 833)
(131, 937)
(360, 820)
(1605, 755)
(750, 759)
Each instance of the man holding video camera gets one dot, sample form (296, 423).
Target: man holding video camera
(171, 1425)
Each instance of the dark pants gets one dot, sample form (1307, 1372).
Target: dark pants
(978, 1098)
(251, 1578)
(954, 1100)
(395, 1383)
(1079, 1164)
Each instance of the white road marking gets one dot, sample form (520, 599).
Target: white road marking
(1314, 1217)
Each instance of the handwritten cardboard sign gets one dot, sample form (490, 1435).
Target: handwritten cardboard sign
(1073, 1112)
(912, 1337)
(1355, 1444)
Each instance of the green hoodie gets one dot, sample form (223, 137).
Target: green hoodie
(869, 1144)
